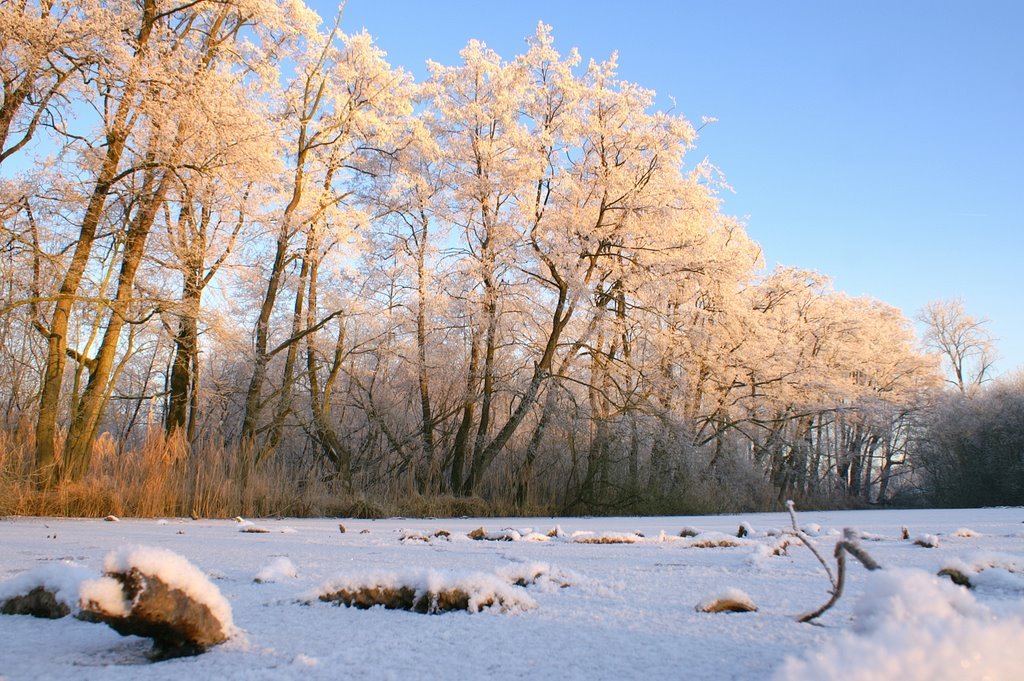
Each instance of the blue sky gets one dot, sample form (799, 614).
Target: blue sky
(880, 143)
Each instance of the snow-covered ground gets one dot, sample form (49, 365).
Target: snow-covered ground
(628, 612)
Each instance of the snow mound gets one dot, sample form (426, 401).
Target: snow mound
(811, 529)
(278, 569)
(427, 592)
(711, 540)
(529, 574)
(915, 627)
(929, 541)
(730, 600)
(606, 538)
(176, 572)
(480, 534)
(966, 533)
(988, 569)
(62, 581)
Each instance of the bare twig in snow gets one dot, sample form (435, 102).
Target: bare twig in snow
(849, 544)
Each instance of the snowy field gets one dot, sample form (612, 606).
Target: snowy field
(598, 611)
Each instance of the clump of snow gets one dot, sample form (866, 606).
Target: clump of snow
(989, 569)
(112, 519)
(250, 527)
(711, 540)
(405, 535)
(811, 529)
(999, 578)
(280, 568)
(429, 592)
(63, 580)
(607, 538)
(480, 534)
(176, 572)
(929, 541)
(915, 627)
(305, 661)
(745, 530)
(911, 597)
(966, 533)
(730, 600)
(105, 595)
(689, 531)
(868, 536)
(530, 574)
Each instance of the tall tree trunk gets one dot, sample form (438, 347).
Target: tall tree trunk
(460, 450)
(429, 464)
(57, 343)
(84, 424)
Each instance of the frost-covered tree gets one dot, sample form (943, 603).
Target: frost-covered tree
(963, 342)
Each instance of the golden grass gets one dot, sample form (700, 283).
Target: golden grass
(161, 477)
(165, 477)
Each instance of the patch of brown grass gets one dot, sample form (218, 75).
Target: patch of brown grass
(403, 598)
(163, 476)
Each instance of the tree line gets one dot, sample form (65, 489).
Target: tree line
(231, 226)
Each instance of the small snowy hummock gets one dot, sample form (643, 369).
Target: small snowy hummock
(607, 538)
(929, 541)
(62, 580)
(916, 627)
(966, 533)
(177, 573)
(711, 540)
(530, 574)
(992, 569)
(280, 568)
(730, 600)
(811, 529)
(425, 591)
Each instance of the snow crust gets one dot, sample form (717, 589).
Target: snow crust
(913, 626)
(590, 602)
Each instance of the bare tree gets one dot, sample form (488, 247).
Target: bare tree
(963, 342)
